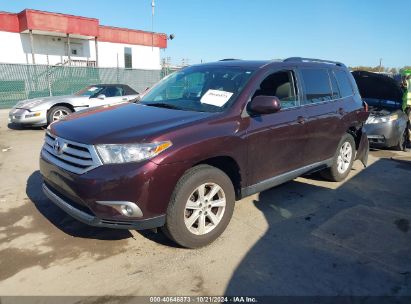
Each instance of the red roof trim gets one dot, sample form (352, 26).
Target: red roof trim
(128, 36)
(9, 22)
(30, 19)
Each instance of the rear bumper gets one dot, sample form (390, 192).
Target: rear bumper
(98, 222)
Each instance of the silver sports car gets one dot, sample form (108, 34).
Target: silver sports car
(387, 123)
(45, 110)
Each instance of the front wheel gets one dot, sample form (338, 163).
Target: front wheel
(57, 113)
(200, 208)
(342, 161)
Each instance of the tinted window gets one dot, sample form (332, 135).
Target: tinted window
(334, 86)
(317, 85)
(112, 91)
(128, 63)
(281, 85)
(344, 83)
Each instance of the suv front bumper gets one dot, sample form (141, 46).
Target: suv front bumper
(146, 184)
(95, 221)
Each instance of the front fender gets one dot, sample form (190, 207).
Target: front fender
(363, 148)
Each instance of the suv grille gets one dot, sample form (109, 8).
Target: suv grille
(70, 156)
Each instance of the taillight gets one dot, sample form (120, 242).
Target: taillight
(365, 106)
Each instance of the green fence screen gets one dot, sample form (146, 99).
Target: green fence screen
(20, 81)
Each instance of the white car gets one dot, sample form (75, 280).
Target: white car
(45, 110)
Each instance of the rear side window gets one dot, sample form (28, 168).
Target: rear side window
(317, 85)
(334, 86)
(344, 83)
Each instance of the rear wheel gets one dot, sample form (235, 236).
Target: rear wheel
(57, 113)
(200, 208)
(342, 161)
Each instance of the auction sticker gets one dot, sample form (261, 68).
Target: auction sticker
(216, 98)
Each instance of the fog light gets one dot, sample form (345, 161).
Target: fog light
(125, 208)
(33, 115)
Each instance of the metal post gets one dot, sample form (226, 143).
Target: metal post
(152, 24)
(48, 76)
(32, 47)
(96, 45)
(68, 49)
(118, 70)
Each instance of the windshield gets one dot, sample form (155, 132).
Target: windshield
(89, 91)
(199, 88)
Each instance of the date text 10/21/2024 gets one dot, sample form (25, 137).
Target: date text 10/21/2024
(203, 299)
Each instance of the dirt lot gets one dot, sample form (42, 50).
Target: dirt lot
(306, 237)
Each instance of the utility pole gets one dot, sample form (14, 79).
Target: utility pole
(380, 65)
(33, 59)
(152, 24)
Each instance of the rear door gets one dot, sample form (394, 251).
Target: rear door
(275, 141)
(321, 100)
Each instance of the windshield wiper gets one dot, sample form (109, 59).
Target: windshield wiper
(163, 105)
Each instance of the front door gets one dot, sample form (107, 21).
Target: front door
(276, 141)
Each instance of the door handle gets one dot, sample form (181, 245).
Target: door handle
(301, 119)
(341, 111)
(124, 99)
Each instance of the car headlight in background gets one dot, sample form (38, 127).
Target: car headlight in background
(116, 154)
(383, 119)
(32, 114)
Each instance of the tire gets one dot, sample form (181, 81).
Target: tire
(401, 146)
(54, 111)
(338, 171)
(181, 213)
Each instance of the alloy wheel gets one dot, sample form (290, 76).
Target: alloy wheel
(59, 114)
(204, 208)
(344, 157)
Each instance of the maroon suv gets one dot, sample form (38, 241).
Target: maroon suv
(202, 138)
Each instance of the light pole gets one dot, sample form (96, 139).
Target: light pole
(153, 5)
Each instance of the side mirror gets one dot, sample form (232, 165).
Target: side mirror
(101, 96)
(265, 104)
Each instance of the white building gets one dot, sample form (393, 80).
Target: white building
(42, 37)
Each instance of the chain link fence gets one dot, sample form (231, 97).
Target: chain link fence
(21, 81)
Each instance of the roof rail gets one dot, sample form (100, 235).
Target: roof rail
(302, 59)
(228, 59)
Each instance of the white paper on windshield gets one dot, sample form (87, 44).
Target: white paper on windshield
(216, 98)
(92, 89)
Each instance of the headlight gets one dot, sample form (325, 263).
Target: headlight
(375, 120)
(34, 114)
(115, 154)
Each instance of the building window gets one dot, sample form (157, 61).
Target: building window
(128, 63)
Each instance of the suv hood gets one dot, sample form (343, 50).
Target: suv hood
(374, 86)
(37, 102)
(122, 123)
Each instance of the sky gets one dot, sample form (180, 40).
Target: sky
(356, 32)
